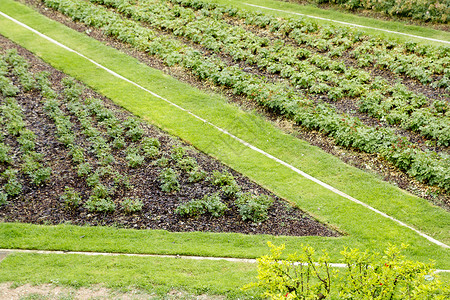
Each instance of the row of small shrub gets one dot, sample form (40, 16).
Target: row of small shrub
(252, 208)
(424, 10)
(29, 161)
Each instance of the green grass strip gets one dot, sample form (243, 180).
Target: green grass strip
(312, 10)
(151, 274)
(365, 229)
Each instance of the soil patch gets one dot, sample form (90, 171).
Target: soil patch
(52, 292)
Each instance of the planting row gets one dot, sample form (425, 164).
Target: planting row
(278, 97)
(425, 63)
(315, 74)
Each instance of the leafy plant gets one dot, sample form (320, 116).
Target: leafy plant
(3, 198)
(84, 169)
(231, 191)
(222, 178)
(208, 204)
(196, 175)
(177, 153)
(118, 142)
(101, 191)
(162, 162)
(169, 180)
(131, 205)
(41, 175)
(367, 276)
(187, 164)
(134, 160)
(150, 147)
(71, 198)
(93, 179)
(253, 208)
(4, 157)
(77, 154)
(13, 187)
(122, 180)
(95, 204)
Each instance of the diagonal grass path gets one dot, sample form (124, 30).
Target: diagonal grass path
(365, 228)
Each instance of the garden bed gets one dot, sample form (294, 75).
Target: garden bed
(116, 174)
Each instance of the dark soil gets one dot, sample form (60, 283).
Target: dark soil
(42, 204)
(368, 162)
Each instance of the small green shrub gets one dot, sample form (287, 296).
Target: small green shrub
(41, 176)
(135, 160)
(105, 171)
(187, 164)
(105, 158)
(114, 130)
(71, 198)
(177, 153)
(192, 208)
(122, 180)
(93, 180)
(3, 198)
(169, 180)
(84, 169)
(101, 191)
(95, 204)
(30, 163)
(221, 179)
(298, 277)
(118, 143)
(10, 173)
(148, 142)
(162, 162)
(26, 140)
(214, 205)
(208, 204)
(77, 154)
(13, 187)
(4, 157)
(366, 276)
(72, 90)
(131, 205)
(151, 152)
(231, 191)
(67, 139)
(196, 175)
(253, 208)
(135, 133)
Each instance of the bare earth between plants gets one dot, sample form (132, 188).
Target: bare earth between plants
(43, 204)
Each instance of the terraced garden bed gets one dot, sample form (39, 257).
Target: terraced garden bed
(378, 105)
(68, 155)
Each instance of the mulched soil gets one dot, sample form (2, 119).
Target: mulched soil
(371, 163)
(42, 205)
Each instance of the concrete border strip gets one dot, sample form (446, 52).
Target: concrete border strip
(348, 24)
(298, 171)
(229, 259)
